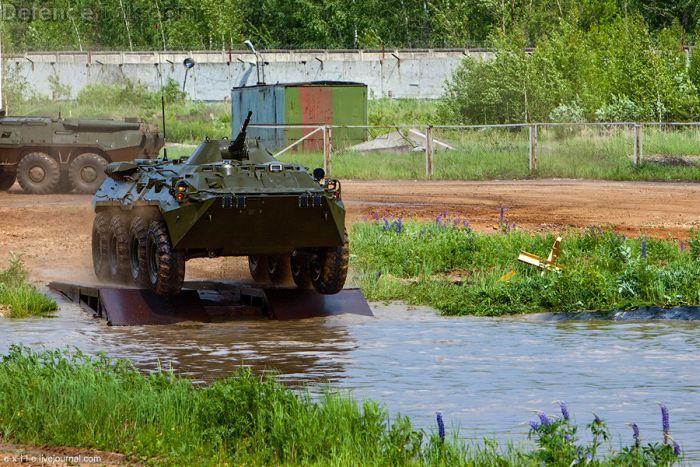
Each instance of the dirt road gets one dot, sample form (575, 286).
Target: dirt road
(52, 232)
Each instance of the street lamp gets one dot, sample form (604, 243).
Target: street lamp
(258, 59)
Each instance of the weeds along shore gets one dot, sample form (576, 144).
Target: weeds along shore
(448, 266)
(18, 297)
(66, 398)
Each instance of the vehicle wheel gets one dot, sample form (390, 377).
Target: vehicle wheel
(119, 247)
(258, 268)
(165, 264)
(301, 270)
(138, 237)
(87, 172)
(329, 268)
(7, 179)
(38, 173)
(278, 269)
(100, 245)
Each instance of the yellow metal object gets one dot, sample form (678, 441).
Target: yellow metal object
(549, 264)
(507, 276)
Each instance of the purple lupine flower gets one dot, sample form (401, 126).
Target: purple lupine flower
(589, 457)
(644, 247)
(676, 449)
(455, 222)
(438, 220)
(386, 224)
(682, 246)
(592, 230)
(600, 230)
(596, 419)
(513, 227)
(544, 419)
(466, 223)
(376, 215)
(502, 216)
(534, 426)
(635, 435)
(564, 410)
(567, 437)
(665, 424)
(399, 225)
(441, 426)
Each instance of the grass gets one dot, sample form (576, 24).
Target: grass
(565, 152)
(569, 152)
(449, 267)
(69, 399)
(19, 298)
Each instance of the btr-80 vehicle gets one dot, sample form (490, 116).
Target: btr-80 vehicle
(48, 155)
(223, 200)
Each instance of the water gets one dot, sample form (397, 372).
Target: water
(486, 376)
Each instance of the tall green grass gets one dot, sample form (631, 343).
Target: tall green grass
(69, 399)
(496, 153)
(19, 298)
(453, 269)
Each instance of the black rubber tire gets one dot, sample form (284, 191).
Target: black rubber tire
(258, 268)
(7, 179)
(329, 268)
(300, 266)
(278, 269)
(165, 264)
(100, 245)
(118, 248)
(38, 173)
(87, 172)
(138, 238)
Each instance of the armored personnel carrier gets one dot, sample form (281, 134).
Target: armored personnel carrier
(223, 200)
(48, 155)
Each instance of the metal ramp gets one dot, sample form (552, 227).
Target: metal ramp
(209, 301)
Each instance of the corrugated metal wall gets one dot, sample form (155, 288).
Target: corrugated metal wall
(302, 104)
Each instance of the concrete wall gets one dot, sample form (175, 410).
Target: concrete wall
(396, 73)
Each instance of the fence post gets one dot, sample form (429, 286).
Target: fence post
(429, 151)
(533, 147)
(637, 144)
(327, 150)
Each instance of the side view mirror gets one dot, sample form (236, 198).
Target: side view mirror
(319, 174)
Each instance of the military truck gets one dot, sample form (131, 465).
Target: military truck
(223, 200)
(47, 155)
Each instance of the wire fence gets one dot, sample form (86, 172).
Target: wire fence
(667, 150)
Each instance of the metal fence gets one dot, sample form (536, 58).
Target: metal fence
(533, 143)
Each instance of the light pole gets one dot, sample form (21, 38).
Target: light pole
(258, 59)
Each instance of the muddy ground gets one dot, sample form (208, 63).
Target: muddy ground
(52, 233)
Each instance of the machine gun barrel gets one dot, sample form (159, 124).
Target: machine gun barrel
(239, 143)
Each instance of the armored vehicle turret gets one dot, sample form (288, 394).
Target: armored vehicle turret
(223, 200)
(48, 155)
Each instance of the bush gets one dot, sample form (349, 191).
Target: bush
(615, 71)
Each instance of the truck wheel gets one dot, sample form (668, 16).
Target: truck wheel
(118, 247)
(278, 269)
(7, 179)
(258, 268)
(138, 237)
(100, 245)
(38, 173)
(87, 172)
(301, 270)
(329, 268)
(165, 264)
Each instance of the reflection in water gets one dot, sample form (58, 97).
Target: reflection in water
(485, 375)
